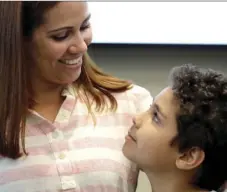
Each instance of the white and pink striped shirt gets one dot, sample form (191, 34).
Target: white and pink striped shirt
(73, 155)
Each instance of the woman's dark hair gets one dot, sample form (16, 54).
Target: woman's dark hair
(18, 20)
(202, 120)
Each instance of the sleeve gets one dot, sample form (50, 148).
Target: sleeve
(143, 99)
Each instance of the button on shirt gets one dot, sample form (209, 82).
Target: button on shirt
(73, 154)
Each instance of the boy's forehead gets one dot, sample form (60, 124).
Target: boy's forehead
(165, 96)
(166, 101)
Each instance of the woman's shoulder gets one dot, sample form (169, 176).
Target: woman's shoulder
(138, 91)
(140, 96)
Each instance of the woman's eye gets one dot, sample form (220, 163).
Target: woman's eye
(61, 36)
(84, 27)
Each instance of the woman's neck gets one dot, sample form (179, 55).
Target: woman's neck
(45, 93)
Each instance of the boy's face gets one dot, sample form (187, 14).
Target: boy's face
(151, 134)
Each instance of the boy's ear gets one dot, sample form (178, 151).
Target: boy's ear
(190, 159)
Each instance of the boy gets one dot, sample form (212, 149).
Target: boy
(181, 141)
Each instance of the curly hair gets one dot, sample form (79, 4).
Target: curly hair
(202, 120)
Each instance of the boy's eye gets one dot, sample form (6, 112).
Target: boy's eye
(155, 117)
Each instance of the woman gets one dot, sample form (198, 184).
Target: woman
(63, 120)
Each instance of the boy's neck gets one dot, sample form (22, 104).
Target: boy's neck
(171, 182)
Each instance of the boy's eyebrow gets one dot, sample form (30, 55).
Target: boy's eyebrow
(159, 110)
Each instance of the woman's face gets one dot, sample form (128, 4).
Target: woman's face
(58, 45)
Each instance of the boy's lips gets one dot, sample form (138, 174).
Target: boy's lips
(131, 136)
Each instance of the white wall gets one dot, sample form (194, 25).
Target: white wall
(159, 22)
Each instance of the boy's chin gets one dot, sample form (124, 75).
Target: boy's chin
(128, 152)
